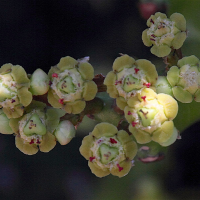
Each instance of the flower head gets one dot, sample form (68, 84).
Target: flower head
(151, 117)
(129, 77)
(108, 150)
(71, 85)
(185, 79)
(14, 94)
(164, 33)
(36, 127)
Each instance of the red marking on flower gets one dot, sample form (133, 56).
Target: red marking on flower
(79, 85)
(134, 123)
(12, 101)
(153, 35)
(55, 75)
(38, 141)
(61, 101)
(136, 70)
(99, 141)
(152, 21)
(92, 158)
(129, 112)
(31, 142)
(50, 82)
(147, 84)
(120, 168)
(113, 141)
(144, 98)
(118, 82)
(152, 39)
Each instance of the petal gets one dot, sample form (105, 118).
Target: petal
(53, 99)
(122, 62)
(149, 21)
(163, 86)
(189, 60)
(123, 137)
(172, 139)
(161, 15)
(53, 116)
(87, 143)
(163, 133)
(97, 171)
(26, 148)
(104, 129)
(25, 96)
(121, 103)
(112, 91)
(149, 93)
(169, 104)
(133, 101)
(20, 76)
(6, 67)
(126, 165)
(161, 51)
(149, 70)
(128, 114)
(178, 40)
(173, 75)
(4, 124)
(110, 78)
(86, 70)
(75, 107)
(146, 39)
(182, 95)
(179, 20)
(90, 90)
(48, 142)
(130, 149)
(142, 137)
(14, 124)
(15, 112)
(67, 63)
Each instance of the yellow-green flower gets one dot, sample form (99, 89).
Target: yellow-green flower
(14, 94)
(185, 79)
(36, 127)
(108, 150)
(71, 85)
(164, 33)
(128, 77)
(150, 116)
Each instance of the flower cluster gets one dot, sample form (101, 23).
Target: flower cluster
(164, 34)
(108, 150)
(71, 85)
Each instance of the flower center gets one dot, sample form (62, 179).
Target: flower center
(107, 153)
(34, 126)
(66, 85)
(147, 115)
(131, 83)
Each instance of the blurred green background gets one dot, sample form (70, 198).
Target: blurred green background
(36, 34)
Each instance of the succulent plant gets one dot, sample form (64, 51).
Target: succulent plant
(185, 79)
(108, 150)
(129, 77)
(150, 116)
(164, 34)
(36, 128)
(14, 93)
(71, 85)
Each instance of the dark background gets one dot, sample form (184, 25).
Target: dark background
(36, 34)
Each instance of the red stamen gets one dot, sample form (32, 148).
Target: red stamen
(55, 75)
(144, 98)
(147, 84)
(92, 158)
(12, 101)
(50, 82)
(129, 113)
(152, 21)
(120, 168)
(38, 141)
(134, 123)
(61, 101)
(31, 142)
(153, 35)
(118, 82)
(136, 70)
(113, 141)
(152, 39)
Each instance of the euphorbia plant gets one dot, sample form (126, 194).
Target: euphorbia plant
(141, 108)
